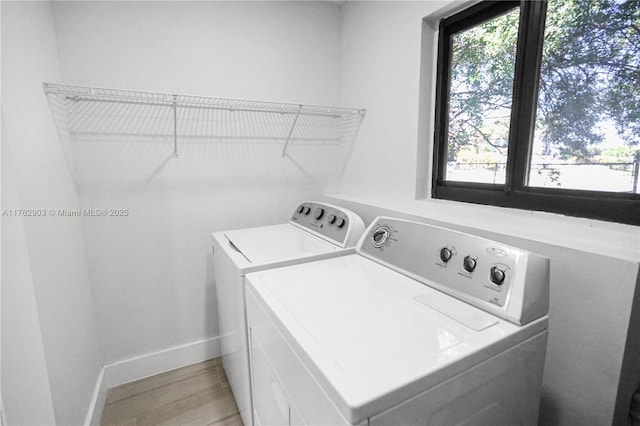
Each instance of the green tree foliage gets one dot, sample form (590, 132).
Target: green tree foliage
(483, 60)
(590, 74)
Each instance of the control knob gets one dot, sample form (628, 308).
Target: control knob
(331, 219)
(307, 210)
(469, 263)
(300, 208)
(497, 275)
(340, 223)
(380, 236)
(318, 213)
(445, 254)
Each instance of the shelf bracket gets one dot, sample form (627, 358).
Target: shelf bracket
(293, 126)
(174, 106)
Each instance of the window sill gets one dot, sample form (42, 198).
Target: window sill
(594, 236)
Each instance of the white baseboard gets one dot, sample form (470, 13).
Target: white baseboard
(139, 367)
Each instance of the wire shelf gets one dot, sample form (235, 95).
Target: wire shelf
(88, 113)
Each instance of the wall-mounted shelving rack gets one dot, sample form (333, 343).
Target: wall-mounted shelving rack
(97, 112)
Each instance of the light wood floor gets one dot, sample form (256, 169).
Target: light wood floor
(195, 395)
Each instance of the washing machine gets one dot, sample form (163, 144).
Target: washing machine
(421, 326)
(316, 231)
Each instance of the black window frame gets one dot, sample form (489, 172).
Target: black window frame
(609, 206)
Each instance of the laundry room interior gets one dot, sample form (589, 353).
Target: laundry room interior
(126, 140)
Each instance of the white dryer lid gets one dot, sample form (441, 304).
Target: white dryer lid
(369, 342)
(277, 243)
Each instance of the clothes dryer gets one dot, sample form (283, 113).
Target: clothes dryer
(316, 231)
(421, 326)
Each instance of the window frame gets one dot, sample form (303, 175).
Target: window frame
(610, 206)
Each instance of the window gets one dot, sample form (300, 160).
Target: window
(538, 107)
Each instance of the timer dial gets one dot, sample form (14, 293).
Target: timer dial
(318, 213)
(380, 236)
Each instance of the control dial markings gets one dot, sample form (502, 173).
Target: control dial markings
(380, 236)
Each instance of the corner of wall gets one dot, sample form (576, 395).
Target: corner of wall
(426, 108)
(57, 263)
(24, 379)
(630, 368)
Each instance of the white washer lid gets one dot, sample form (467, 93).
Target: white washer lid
(369, 343)
(277, 243)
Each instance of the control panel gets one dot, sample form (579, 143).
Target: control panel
(504, 280)
(332, 223)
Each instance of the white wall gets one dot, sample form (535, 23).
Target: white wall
(592, 366)
(55, 246)
(152, 271)
(25, 381)
(280, 51)
(380, 70)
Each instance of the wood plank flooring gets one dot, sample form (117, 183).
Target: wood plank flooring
(198, 394)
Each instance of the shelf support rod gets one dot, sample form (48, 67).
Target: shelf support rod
(175, 126)
(293, 126)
